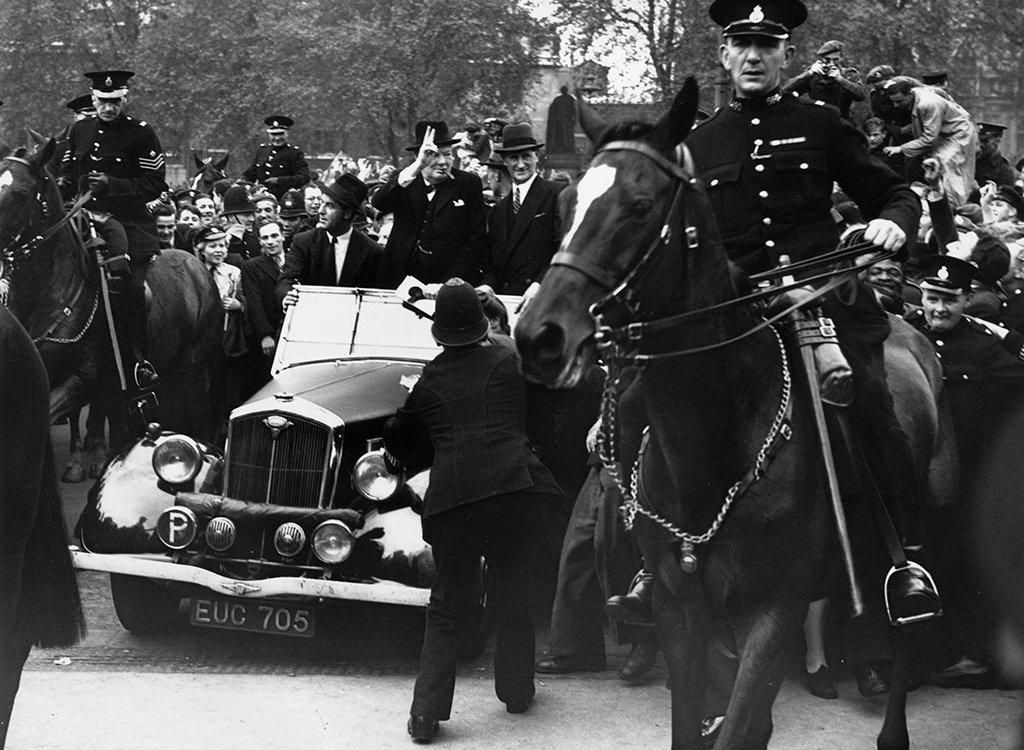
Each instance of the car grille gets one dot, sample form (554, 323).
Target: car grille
(288, 470)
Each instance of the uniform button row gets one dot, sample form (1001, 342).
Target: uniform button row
(769, 243)
(767, 220)
(763, 193)
(755, 121)
(939, 342)
(759, 167)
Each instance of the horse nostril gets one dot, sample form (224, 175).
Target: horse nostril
(547, 345)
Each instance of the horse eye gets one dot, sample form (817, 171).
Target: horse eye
(641, 207)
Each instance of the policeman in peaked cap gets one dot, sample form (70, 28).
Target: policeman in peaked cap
(278, 164)
(769, 162)
(990, 164)
(939, 79)
(82, 106)
(119, 159)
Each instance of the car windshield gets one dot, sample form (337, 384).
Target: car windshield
(343, 323)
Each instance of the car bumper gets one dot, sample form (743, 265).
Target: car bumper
(158, 567)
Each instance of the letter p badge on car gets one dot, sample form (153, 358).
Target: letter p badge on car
(177, 527)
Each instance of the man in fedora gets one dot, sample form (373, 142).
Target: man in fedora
(467, 411)
(335, 253)
(279, 165)
(524, 228)
(439, 227)
(239, 214)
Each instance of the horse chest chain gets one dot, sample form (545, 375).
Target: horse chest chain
(687, 558)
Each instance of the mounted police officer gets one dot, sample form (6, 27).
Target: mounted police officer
(119, 159)
(279, 165)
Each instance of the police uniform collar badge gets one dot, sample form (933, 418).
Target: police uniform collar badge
(759, 102)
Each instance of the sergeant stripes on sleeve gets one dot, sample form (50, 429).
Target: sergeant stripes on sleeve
(153, 163)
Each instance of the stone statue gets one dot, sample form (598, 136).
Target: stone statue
(562, 124)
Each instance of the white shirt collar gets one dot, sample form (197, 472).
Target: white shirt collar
(524, 188)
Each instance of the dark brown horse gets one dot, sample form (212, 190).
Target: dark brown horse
(39, 602)
(732, 503)
(210, 171)
(54, 292)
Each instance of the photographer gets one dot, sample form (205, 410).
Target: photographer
(827, 81)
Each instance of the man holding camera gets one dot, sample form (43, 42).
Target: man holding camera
(827, 81)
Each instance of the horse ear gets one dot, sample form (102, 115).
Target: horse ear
(37, 138)
(221, 163)
(592, 125)
(199, 162)
(43, 155)
(677, 122)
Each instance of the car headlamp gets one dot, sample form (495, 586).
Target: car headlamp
(332, 542)
(371, 478)
(177, 459)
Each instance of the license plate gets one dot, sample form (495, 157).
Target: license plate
(254, 616)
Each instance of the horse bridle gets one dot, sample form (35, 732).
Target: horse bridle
(17, 247)
(619, 302)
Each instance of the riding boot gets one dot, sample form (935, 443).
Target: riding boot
(135, 328)
(634, 606)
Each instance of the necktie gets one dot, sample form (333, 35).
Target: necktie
(516, 203)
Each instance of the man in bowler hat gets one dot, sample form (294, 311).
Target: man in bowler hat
(439, 228)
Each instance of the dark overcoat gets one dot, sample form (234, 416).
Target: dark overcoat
(520, 246)
(311, 261)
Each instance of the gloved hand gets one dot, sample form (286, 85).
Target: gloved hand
(99, 184)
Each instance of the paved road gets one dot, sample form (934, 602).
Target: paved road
(350, 688)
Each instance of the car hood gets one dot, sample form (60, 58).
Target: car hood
(355, 390)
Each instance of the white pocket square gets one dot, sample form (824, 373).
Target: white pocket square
(458, 202)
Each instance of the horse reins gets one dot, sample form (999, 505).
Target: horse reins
(13, 249)
(619, 344)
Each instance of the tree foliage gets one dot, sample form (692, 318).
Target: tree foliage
(354, 75)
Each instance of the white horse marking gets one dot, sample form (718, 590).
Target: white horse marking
(6, 179)
(595, 183)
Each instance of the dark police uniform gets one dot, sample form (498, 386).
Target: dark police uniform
(284, 166)
(995, 168)
(129, 153)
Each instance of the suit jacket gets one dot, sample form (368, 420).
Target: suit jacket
(259, 284)
(311, 261)
(520, 247)
(469, 408)
(434, 240)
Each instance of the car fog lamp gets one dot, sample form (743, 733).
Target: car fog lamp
(332, 542)
(220, 533)
(177, 459)
(289, 539)
(371, 478)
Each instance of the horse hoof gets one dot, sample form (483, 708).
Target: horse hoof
(73, 475)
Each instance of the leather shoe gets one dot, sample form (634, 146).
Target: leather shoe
(968, 673)
(819, 684)
(911, 596)
(518, 707)
(422, 729)
(871, 678)
(571, 663)
(639, 661)
(710, 728)
(635, 606)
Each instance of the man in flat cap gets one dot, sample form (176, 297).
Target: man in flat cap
(121, 161)
(439, 228)
(769, 162)
(991, 165)
(827, 81)
(278, 165)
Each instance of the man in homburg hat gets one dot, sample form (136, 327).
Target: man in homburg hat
(334, 253)
(279, 165)
(121, 161)
(524, 229)
(468, 411)
(439, 228)
(239, 215)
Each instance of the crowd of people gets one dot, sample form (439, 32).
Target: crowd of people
(475, 206)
